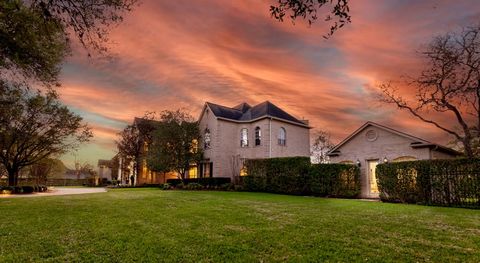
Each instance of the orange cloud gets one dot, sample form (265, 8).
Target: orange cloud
(172, 54)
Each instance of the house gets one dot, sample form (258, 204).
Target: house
(233, 134)
(373, 143)
(105, 170)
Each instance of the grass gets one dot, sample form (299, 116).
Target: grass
(127, 225)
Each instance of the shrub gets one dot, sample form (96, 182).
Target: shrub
(7, 190)
(208, 181)
(28, 189)
(295, 175)
(194, 186)
(227, 187)
(166, 186)
(432, 182)
(18, 190)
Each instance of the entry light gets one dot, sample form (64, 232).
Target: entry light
(359, 164)
(385, 160)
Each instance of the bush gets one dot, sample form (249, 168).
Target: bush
(194, 186)
(295, 175)
(166, 186)
(432, 182)
(207, 182)
(28, 189)
(6, 190)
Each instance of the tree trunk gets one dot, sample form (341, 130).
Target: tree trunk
(12, 177)
(467, 145)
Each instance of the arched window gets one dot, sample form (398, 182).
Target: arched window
(244, 137)
(258, 136)
(206, 139)
(282, 136)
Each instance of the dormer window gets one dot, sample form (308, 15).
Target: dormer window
(244, 137)
(206, 139)
(282, 136)
(258, 136)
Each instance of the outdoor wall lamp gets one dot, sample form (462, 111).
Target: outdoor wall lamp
(385, 160)
(359, 164)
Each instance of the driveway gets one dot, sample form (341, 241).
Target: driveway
(61, 191)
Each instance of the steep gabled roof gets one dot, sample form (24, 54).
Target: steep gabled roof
(246, 113)
(417, 142)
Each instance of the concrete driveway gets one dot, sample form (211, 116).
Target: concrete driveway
(61, 191)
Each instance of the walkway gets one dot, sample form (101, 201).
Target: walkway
(61, 191)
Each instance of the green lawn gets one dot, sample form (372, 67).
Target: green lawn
(127, 225)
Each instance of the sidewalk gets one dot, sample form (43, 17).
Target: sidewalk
(61, 191)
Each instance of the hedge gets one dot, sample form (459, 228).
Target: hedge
(432, 182)
(206, 181)
(296, 176)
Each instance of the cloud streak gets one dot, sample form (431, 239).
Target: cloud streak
(173, 54)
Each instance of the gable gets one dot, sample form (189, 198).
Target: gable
(372, 133)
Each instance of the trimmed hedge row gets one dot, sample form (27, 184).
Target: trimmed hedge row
(296, 176)
(207, 181)
(432, 182)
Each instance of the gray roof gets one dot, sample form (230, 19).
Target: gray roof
(245, 112)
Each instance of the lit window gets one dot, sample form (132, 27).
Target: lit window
(258, 136)
(206, 139)
(244, 137)
(243, 171)
(192, 172)
(282, 136)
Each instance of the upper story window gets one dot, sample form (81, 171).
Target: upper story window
(244, 137)
(282, 136)
(258, 136)
(206, 139)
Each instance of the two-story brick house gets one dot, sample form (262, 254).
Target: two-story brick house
(233, 134)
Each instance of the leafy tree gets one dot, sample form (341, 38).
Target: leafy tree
(35, 34)
(35, 126)
(321, 145)
(449, 86)
(338, 15)
(133, 140)
(174, 144)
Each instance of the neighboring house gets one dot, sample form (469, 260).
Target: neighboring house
(105, 170)
(233, 134)
(373, 143)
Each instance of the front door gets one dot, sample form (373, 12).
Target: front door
(372, 178)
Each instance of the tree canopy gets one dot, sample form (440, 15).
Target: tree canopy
(35, 126)
(35, 35)
(449, 86)
(338, 14)
(174, 145)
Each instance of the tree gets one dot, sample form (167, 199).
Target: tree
(448, 86)
(174, 144)
(45, 169)
(35, 126)
(133, 140)
(35, 34)
(321, 145)
(308, 10)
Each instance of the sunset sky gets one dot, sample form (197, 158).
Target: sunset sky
(173, 54)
